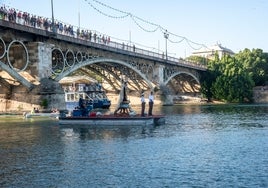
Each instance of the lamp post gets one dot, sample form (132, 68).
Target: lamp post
(53, 22)
(166, 37)
(79, 14)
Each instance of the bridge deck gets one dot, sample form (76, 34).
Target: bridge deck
(111, 46)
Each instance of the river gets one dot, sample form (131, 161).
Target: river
(199, 146)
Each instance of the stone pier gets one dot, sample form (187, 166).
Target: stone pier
(46, 94)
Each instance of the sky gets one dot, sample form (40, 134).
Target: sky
(191, 24)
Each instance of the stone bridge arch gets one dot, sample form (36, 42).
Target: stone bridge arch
(16, 75)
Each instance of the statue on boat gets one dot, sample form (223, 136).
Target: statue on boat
(123, 107)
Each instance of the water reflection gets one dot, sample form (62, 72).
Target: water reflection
(108, 132)
(218, 116)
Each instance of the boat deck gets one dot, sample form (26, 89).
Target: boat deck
(113, 120)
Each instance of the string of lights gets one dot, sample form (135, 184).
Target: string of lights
(110, 7)
(137, 20)
(108, 15)
(147, 22)
(176, 42)
(139, 25)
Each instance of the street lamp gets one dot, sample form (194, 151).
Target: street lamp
(166, 37)
(53, 22)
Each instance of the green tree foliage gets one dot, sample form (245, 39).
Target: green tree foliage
(256, 64)
(44, 103)
(232, 79)
(237, 88)
(197, 59)
(209, 77)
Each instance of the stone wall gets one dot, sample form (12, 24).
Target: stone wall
(260, 94)
(18, 99)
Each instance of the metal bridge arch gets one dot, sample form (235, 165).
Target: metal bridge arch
(16, 75)
(181, 72)
(100, 60)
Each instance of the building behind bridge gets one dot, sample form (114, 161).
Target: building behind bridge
(209, 52)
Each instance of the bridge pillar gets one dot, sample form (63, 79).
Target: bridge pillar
(40, 55)
(166, 97)
(160, 73)
(45, 94)
(40, 67)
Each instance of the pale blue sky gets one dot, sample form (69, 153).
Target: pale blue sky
(236, 24)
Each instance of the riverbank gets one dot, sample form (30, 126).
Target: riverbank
(134, 102)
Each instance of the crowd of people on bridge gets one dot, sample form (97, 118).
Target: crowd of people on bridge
(25, 18)
(39, 22)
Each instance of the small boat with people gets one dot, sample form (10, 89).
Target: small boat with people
(124, 115)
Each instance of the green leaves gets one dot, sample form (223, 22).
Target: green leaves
(232, 79)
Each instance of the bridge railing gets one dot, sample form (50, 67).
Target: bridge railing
(92, 36)
(162, 57)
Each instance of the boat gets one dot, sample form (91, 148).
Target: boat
(123, 115)
(34, 115)
(93, 93)
(112, 120)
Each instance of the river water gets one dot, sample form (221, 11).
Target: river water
(199, 146)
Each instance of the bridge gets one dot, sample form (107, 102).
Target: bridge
(34, 55)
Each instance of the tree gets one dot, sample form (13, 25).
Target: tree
(255, 62)
(197, 60)
(209, 77)
(227, 79)
(236, 88)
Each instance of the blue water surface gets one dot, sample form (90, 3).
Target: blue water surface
(199, 146)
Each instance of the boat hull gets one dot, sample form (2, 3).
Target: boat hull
(34, 115)
(108, 120)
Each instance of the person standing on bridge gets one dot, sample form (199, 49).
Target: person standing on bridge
(142, 104)
(151, 103)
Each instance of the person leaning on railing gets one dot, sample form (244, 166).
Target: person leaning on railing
(3, 13)
(45, 23)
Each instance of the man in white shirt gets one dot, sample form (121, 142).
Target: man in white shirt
(142, 104)
(151, 103)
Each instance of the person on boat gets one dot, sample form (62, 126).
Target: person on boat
(142, 104)
(37, 110)
(55, 110)
(33, 111)
(82, 107)
(151, 103)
